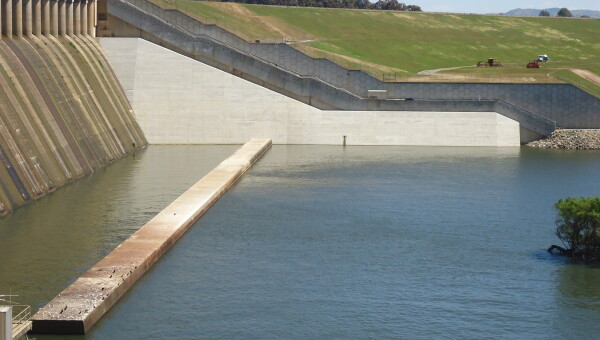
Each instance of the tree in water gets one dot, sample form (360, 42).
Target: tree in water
(564, 12)
(544, 13)
(578, 227)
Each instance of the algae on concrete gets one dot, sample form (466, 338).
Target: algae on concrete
(63, 115)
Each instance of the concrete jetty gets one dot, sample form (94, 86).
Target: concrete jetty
(76, 309)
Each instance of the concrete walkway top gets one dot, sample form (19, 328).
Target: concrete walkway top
(81, 305)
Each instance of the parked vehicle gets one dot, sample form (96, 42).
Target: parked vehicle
(542, 58)
(491, 62)
(533, 64)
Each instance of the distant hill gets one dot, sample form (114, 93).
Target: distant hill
(553, 11)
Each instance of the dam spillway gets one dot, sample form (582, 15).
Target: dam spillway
(20, 18)
(95, 125)
(63, 115)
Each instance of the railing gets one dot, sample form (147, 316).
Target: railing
(194, 29)
(582, 84)
(227, 35)
(536, 122)
(21, 313)
(353, 82)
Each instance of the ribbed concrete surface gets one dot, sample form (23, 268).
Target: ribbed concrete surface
(63, 114)
(81, 305)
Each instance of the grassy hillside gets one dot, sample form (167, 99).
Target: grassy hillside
(407, 43)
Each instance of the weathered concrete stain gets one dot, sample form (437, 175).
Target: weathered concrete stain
(63, 115)
(82, 304)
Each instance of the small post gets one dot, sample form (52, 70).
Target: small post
(344, 141)
(6, 323)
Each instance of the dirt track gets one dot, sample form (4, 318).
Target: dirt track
(594, 78)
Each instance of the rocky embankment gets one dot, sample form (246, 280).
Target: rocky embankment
(576, 139)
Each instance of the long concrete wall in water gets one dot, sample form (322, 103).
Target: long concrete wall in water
(63, 114)
(179, 100)
(82, 304)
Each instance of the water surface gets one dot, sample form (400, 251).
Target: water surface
(46, 245)
(327, 242)
(372, 242)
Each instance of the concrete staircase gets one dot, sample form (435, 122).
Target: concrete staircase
(326, 85)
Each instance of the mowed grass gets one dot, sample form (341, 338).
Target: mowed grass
(407, 43)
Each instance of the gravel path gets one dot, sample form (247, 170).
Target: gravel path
(587, 75)
(434, 72)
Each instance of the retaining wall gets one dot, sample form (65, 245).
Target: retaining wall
(307, 89)
(564, 104)
(179, 100)
(63, 114)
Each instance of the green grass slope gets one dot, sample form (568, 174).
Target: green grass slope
(407, 43)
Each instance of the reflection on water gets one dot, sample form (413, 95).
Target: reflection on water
(48, 244)
(371, 242)
(357, 242)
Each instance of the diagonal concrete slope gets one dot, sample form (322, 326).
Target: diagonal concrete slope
(327, 86)
(179, 100)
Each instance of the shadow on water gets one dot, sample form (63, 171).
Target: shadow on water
(578, 283)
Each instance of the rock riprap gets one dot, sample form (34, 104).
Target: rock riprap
(576, 139)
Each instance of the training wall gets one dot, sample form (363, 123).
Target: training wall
(177, 99)
(63, 114)
(326, 85)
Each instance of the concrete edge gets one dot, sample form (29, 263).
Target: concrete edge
(77, 308)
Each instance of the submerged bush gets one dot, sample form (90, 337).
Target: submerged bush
(578, 227)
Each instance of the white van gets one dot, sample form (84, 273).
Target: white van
(542, 57)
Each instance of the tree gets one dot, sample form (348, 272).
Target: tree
(564, 12)
(361, 4)
(578, 227)
(544, 13)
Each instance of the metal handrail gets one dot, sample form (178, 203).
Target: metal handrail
(190, 27)
(23, 311)
(23, 316)
(547, 125)
(186, 31)
(175, 16)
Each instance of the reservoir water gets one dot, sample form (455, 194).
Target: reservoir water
(327, 242)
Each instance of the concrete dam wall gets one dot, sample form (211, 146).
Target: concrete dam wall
(57, 17)
(63, 114)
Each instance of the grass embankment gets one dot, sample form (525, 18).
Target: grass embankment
(406, 43)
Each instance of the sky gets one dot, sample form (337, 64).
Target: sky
(479, 6)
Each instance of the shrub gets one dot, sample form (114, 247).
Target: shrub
(578, 226)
